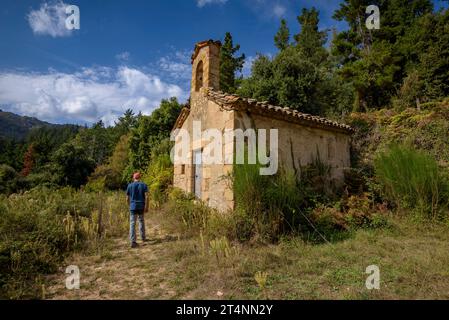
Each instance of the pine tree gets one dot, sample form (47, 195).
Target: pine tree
(299, 76)
(229, 64)
(375, 61)
(282, 37)
(310, 41)
(432, 53)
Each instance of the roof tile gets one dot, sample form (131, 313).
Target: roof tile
(228, 100)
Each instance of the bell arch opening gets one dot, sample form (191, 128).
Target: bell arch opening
(199, 76)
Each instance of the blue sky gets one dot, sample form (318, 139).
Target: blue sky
(127, 53)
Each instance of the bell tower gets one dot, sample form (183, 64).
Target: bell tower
(206, 66)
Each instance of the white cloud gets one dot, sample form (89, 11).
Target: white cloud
(202, 3)
(177, 66)
(246, 70)
(269, 9)
(123, 56)
(86, 96)
(49, 19)
(279, 10)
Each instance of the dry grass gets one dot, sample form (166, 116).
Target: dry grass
(413, 261)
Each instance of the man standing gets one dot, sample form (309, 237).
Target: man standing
(137, 197)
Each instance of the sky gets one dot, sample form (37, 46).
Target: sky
(126, 54)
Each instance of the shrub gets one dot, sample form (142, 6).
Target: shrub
(40, 227)
(412, 179)
(158, 177)
(260, 202)
(193, 214)
(270, 206)
(331, 222)
(410, 92)
(8, 179)
(109, 176)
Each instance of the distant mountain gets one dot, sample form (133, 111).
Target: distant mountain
(16, 127)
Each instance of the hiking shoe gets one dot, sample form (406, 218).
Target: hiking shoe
(134, 245)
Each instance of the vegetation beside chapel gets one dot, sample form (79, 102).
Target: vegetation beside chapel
(62, 186)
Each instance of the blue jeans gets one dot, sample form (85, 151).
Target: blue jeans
(132, 225)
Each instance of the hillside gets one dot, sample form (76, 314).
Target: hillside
(16, 127)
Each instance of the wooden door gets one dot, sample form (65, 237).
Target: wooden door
(197, 173)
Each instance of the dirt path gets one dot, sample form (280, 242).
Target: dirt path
(413, 260)
(119, 272)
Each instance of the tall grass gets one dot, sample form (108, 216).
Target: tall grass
(41, 227)
(266, 207)
(269, 206)
(412, 179)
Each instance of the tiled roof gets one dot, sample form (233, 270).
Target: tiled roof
(234, 102)
(182, 117)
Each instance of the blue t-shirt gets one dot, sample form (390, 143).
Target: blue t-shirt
(136, 193)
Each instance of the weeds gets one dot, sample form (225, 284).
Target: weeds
(261, 279)
(412, 179)
(40, 227)
(221, 248)
(158, 177)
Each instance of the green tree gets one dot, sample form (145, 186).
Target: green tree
(46, 140)
(9, 179)
(282, 37)
(229, 64)
(298, 76)
(310, 41)
(432, 44)
(260, 85)
(71, 165)
(150, 131)
(11, 153)
(375, 61)
(97, 141)
(125, 123)
(109, 176)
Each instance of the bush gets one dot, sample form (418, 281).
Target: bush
(193, 214)
(266, 206)
(270, 206)
(9, 179)
(355, 212)
(159, 177)
(412, 179)
(109, 176)
(40, 227)
(410, 92)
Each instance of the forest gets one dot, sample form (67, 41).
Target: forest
(62, 186)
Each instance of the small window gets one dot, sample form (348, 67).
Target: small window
(183, 169)
(199, 76)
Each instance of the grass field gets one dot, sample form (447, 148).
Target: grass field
(413, 259)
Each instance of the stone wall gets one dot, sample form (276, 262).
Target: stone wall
(299, 144)
(216, 190)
